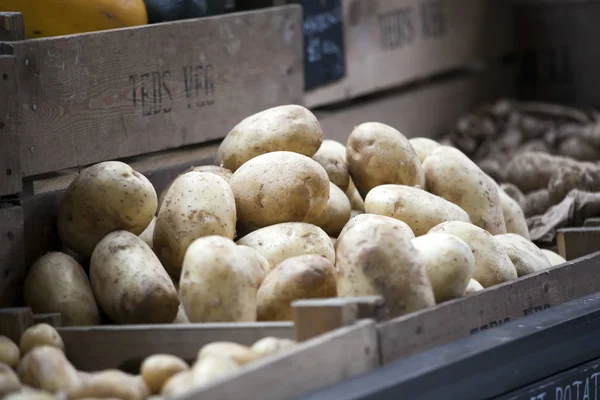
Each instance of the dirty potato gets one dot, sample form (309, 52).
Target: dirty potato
(356, 201)
(423, 147)
(40, 335)
(332, 156)
(157, 369)
(47, 368)
(473, 287)
(148, 233)
(240, 354)
(336, 214)
(554, 258)
(525, 256)
(514, 218)
(257, 263)
(360, 218)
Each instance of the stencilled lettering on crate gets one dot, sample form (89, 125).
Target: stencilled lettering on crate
(490, 325)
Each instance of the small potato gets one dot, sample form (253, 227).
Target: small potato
(282, 241)
(285, 128)
(216, 284)
(554, 258)
(9, 352)
(148, 233)
(332, 156)
(526, 256)
(514, 218)
(377, 258)
(450, 264)
(269, 346)
(58, 283)
(211, 367)
(198, 204)
(473, 287)
(47, 368)
(296, 278)
(129, 282)
(178, 384)
(452, 175)
(40, 335)
(361, 218)
(279, 187)
(336, 213)
(419, 209)
(258, 264)
(378, 154)
(110, 384)
(423, 147)
(157, 369)
(9, 381)
(492, 265)
(240, 354)
(103, 198)
(356, 201)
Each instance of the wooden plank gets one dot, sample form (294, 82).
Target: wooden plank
(489, 308)
(125, 347)
(14, 321)
(12, 266)
(12, 26)
(10, 166)
(392, 42)
(316, 363)
(577, 242)
(591, 222)
(53, 319)
(113, 94)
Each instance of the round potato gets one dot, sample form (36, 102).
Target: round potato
(284, 128)
(279, 187)
(336, 213)
(210, 368)
(129, 282)
(240, 354)
(514, 218)
(47, 368)
(332, 156)
(9, 381)
(492, 265)
(157, 369)
(361, 218)
(103, 198)
(554, 258)
(148, 233)
(296, 278)
(56, 283)
(110, 383)
(450, 264)
(271, 345)
(258, 264)
(282, 241)
(9, 352)
(378, 154)
(423, 147)
(198, 204)
(178, 384)
(356, 201)
(377, 258)
(473, 287)
(419, 209)
(452, 175)
(525, 256)
(40, 335)
(181, 318)
(216, 284)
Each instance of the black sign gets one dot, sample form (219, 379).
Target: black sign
(324, 59)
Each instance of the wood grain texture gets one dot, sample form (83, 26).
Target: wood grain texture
(392, 42)
(113, 94)
(12, 26)
(10, 166)
(14, 321)
(315, 317)
(322, 361)
(489, 308)
(12, 266)
(577, 242)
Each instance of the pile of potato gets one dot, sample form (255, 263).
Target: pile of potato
(38, 369)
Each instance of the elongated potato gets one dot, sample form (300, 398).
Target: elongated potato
(259, 265)
(157, 369)
(332, 156)
(492, 265)
(9, 381)
(58, 283)
(378, 154)
(268, 346)
(375, 258)
(103, 198)
(47, 368)
(423, 147)
(449, 261)
(356, 201)
(525, 256)
(473, 287)
(240, 354)
(282, 241)
(40, 335)
(129, 282)
(284, 128)
(216, 284)
(198, 204)
(301, 277)
(9, 352)
(110, 383)
(514, 218)
(336, 214)
(279, 187)
(554, 258)
(360, 218)
(419, 209)
(452, 175)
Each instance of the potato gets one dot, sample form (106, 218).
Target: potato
(419, 209)
(216, 284)
(284, 128)
(336, 213)
(296, 278)
(361, 218)
(450, 264)
(282, 241)
(258, 264)
(514, 218)
(103, 198)
(377, 258)
(9, 352)
(181, 318)
(240, 354)
(378, 154)
(148, 233)
(40, 335)
(332, 156)
(198, 204)
(279, 187)
(27, 393)
(111, 383)
(56, 283)
(47, 368)
(269, 346)
(157, 369)
(9, 381)
(473, 287)
(356, 201)
(525, 256)
(211, 367)
(178, 384)
(554, 258)
(129, 282)
(423, 147)
(492, 265)
(452, 175)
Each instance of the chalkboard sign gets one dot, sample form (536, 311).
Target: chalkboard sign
(324, 59)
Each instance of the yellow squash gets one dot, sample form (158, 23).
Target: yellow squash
(45, 18)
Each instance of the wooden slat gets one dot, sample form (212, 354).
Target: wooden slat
(114, 94)
(53, 319)
(12, 266)
(591, 222)
(12, 26)
(577, 242)
(10, 166)
(14, 321)
(487, 309)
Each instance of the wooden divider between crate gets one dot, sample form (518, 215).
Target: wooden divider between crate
(576, 242)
